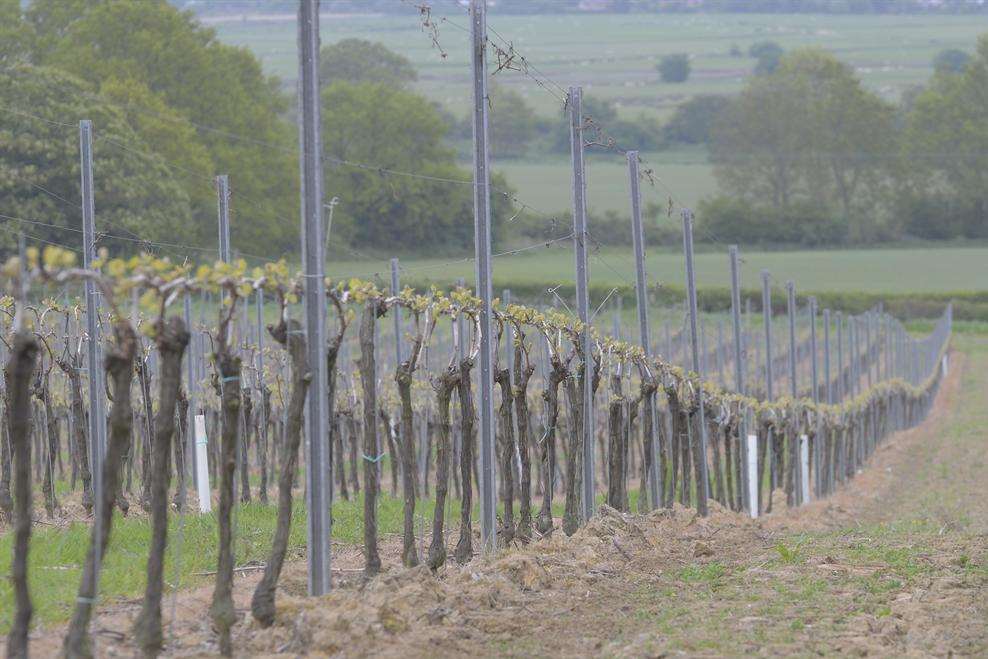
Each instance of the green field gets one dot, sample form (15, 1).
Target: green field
(613, 56)
(921, 270)
(547, 184)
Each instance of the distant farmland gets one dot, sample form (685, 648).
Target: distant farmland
(891, 54)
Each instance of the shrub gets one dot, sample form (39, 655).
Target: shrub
(693, 121)
(951, 60)
(768, 54)
(801, 223)
(675, 68)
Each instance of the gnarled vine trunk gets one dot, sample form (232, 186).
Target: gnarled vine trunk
(616, 451)
(372, 457)
(444, 386)
(409, 557)
(523, 375)
(574, 453)
(551, 395)
(464, 547)
(17, 376)
(290, 336)
(120, 369)
(171, 340)
(507, 446)
(77, 443)
(228, 366)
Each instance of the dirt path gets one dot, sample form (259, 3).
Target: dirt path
(896, 565)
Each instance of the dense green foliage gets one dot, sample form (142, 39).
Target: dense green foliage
(161, 85)
(513, 124)
(945, 190)
(768, 54)
(806, 154)
(809, 132)
(138, 195)
(168, 81)
(951, 60)
(359, 60)
(694, 120)
(397, 130)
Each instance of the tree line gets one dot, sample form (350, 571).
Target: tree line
(807, 154)
(172, 107)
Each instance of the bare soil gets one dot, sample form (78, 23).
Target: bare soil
(896, 564)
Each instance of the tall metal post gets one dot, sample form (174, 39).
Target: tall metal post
(811, 307)
(702, 486)
(867, 346)
(719, 353)
(318, 466)
(396, 311)
(740, 357)
(814, 371)
(97, 402)
(259, 321)
(791, 310)
(854, 358)
(794, 387)
(582, 290)
(888, 346)
(826, 356)
(191, 391)
(223, 216)
(655, 475)
(839, 321)
(767, 319)
(485, 291)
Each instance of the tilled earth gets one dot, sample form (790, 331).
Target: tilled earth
(896, 564)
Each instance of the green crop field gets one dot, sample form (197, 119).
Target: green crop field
(547, 184)
(891, 54)
(922, 270)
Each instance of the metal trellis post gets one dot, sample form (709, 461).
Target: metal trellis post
(582, 290)
(703, 486)
(655, 475)
(318, 459)
(485, 291)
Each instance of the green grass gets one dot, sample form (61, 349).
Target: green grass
(56, 555)
(921, 270)
(547, 184)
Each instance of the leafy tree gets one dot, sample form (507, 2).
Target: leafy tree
(768, 54)
(809, 131)
(693, 121)
(946, 151)
(643, 133)
(512, 123)
(182, 66)
(136, 195)
(398, 130)
(359, 60)
(674, 68)
(15, 33)
(951, 60)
